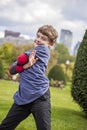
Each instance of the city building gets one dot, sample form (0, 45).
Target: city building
(15, 38)
(11, 33)
(66, 37)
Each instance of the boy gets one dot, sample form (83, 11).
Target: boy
(33, 95)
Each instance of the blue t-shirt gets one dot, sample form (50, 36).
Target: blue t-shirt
(33, 81)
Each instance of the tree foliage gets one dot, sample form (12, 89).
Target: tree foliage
(8, 52)
(53, 60)
(79, 81)
(1, 70)
(63, 53)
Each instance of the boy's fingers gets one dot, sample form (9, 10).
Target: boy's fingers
(32, 55)
(35, 60)
(32, 59)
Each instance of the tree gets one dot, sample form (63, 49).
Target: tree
(8, 52)
(23, 47)
(79, 78)
(1, 70)
(57, 73)
(63, 54)
(53, 60)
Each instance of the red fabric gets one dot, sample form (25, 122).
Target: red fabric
(19, 68)
(22, 59)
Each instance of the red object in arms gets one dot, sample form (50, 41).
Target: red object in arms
(22, 59)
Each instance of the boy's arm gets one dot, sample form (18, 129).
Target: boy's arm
(12, 68)
(15, 68)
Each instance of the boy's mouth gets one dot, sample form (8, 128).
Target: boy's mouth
(36, 44)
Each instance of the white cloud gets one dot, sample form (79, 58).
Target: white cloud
(1, 34)
(4, 2)
(25, 36)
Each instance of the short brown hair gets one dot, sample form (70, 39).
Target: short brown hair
(50, 32)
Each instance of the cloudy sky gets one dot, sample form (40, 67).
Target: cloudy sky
(25, 16)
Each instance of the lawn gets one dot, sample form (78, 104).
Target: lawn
(66, 114)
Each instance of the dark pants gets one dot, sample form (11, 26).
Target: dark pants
(39, 108)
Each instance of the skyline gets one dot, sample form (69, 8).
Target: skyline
(26, 16)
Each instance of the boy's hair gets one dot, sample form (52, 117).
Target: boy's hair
(50, 32)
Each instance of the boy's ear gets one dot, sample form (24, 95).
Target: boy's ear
(51, 43)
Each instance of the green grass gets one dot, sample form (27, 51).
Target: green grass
(66, 114)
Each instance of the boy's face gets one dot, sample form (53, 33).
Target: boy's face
(41, 39)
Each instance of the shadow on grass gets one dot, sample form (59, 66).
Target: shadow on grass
(63, 113)
(68, 119)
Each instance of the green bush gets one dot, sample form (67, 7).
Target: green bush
(57, 73)
(79, 77)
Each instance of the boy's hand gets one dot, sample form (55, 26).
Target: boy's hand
(32, 60)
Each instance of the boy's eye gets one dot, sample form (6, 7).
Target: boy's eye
(44, 38)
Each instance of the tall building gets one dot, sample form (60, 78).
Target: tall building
(11, 33)
(66, 38)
